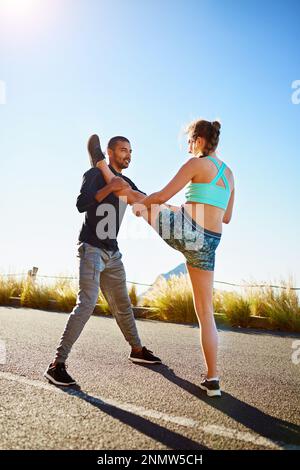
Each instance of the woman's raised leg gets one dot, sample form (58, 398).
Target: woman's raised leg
(128, 195)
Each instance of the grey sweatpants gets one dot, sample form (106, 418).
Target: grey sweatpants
(103, 269)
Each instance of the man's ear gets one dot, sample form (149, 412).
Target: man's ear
(109, 152)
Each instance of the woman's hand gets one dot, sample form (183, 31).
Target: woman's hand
(118, 184)
(138, 208)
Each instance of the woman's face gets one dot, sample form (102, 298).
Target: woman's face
(195, 146)
(191, 145)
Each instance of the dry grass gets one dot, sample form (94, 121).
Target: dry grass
(236, 308)
(9, 287)
(172, 298)
(133, 295)
(60, 296)
(281, 306)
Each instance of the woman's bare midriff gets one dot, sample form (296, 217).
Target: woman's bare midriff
(207, 216)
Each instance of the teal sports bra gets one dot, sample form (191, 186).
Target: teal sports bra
(210, 193)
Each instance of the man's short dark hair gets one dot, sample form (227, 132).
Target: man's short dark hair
(114, 140)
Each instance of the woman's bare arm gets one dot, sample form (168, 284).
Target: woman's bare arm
(180, 180)
(228, 213)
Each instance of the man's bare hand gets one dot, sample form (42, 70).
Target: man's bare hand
(118, 184)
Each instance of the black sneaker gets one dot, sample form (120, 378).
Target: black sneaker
(94, 149)
(144, 356)
(58, 375)
(212, 387)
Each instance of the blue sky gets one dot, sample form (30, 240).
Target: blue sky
(143, 70)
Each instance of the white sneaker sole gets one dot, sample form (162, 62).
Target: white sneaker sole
(55, 382)
(137, 360)
(211, 393)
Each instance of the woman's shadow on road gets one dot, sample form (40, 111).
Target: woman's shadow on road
(275, 429)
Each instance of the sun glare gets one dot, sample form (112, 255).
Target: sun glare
(24, 17)
(18, 10)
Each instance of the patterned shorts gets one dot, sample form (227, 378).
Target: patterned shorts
(182, 233)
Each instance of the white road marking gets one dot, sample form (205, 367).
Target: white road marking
(222, 431)
(187, 422)
(212, 429)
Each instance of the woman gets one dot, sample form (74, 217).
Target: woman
(195, 228)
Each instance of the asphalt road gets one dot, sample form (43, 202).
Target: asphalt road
(125, 406)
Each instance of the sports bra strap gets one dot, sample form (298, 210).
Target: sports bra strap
(220, 174)
(212, 159)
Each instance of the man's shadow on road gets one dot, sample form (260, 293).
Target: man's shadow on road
(171, 439)
(275, 429)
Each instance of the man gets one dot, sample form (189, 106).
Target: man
(100, 259)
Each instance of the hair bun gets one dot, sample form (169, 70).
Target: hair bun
(216, 125)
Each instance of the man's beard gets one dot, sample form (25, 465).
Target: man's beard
(123, 165)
